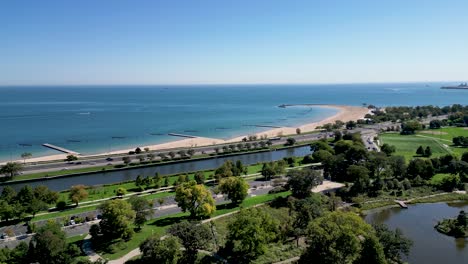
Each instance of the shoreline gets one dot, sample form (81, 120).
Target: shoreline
(345, 113)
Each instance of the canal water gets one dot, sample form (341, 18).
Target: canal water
(64, 183)
(417, 223)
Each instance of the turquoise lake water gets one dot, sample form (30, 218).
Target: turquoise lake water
(104, 118)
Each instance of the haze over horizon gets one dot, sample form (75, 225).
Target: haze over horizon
(232, 42)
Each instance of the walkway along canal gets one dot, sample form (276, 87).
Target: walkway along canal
(109, 177)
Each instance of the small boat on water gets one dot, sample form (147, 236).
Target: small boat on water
(460, 86)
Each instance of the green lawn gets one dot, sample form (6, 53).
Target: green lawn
(406, 145)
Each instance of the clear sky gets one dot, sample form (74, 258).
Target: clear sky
(239, 41)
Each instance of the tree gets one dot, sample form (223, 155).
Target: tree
(196, 199)
(42, 193)
(394, 243)
(249, 234)
(71, 158)
(138, 150)
(359, 175)
(11, 169)
(49, 246)
(8, 194)
(199, 177)
(290, 141)
(78, 193)
(420, 151)
(117, 216)
(351, 124)
(193, 236)
(25, 195)
(36, 206)
(298, 131)
(434, 124)
(409, 127)
(151, 156)
(305, 210)
(302, 181)
(464, 157)
(142, 208)
(191, 152)
(235, 188)
(339, 237)
(428, 152)
(7, 210)
(157, 250)
(172, 154)
(388, 149)
(26, 155)
(126, 160)
(120, 191)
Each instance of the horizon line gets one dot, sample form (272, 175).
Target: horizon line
(221, 84)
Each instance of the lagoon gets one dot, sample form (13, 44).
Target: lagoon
(417, 223)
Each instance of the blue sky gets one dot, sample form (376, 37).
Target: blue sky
(223, 41)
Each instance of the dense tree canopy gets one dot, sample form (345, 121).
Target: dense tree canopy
(344, 238)
(249, 233)
(117, 219)
(302, 181)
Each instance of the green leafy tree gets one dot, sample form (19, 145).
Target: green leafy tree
(420, 151)
(302, 181)
(304, 211)
(235, 188)
(126, 160)
(49, 246)
(196, 199)
(290, 141)
(199, 177)
(78, 193)
(395, 244)
(339, 237)
(388, 149)
(157, 250)
(120, 191)
(193, 236)
(359, 175)
(428, 152)
(71, 158)
(8, 194)
(249, 234)
(11, 169)
(143, 209)
(117, 217)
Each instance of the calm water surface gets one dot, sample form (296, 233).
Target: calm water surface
(417, 223)
(105, 118)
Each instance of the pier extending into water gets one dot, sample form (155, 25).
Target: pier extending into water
(181, 135)
(64, 150)
(402, 204)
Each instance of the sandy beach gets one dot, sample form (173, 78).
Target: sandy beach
(345, 113)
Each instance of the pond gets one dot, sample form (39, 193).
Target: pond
(417, 223)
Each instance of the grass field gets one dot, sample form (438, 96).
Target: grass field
(440, 141)
(406, 145)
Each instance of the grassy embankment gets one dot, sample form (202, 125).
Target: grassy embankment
(160, 225)
(439, 140)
